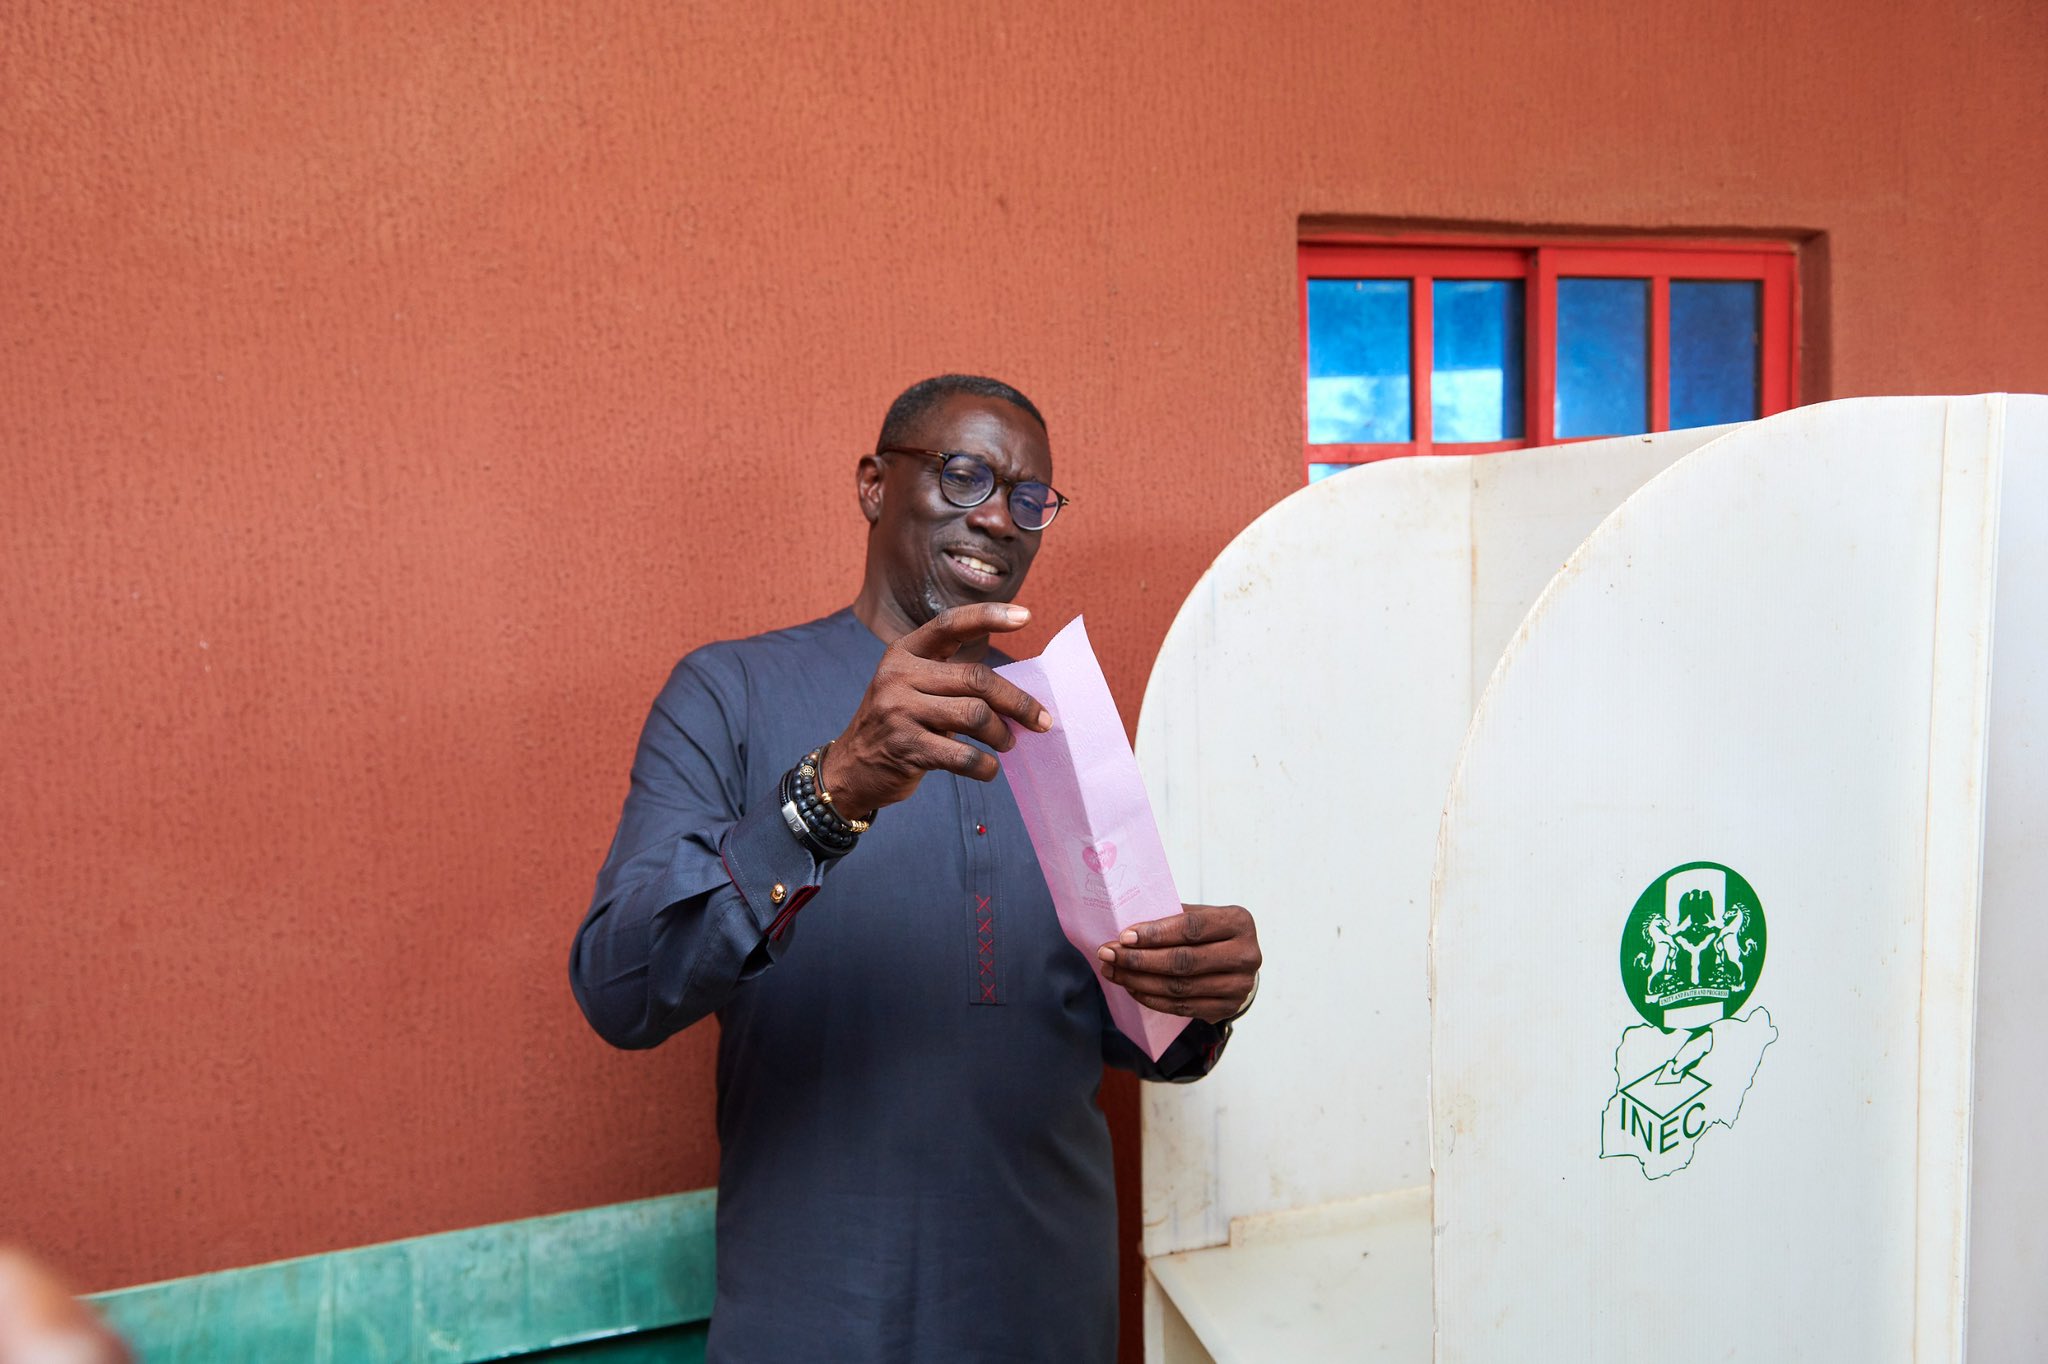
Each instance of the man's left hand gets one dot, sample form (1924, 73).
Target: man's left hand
(1199, 963)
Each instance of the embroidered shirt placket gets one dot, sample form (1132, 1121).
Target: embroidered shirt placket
(984, 980)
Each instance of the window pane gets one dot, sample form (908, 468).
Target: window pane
(1603, 332)
(1318, 472)
(1358, 391)
(1475, 379)
(1714, 351)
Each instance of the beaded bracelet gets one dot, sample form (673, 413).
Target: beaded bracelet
(807, 809)
(816, 813)
(811, 778)
(816, 837)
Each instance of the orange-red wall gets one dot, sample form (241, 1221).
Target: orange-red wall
(390, 393)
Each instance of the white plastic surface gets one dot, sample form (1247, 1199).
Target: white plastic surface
(2008, 1271)
(1343, 1283)
(1773, 658)
(1321, 665)
(1298, 733)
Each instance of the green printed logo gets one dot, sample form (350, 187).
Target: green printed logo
(1693, 947)
(1691, 952)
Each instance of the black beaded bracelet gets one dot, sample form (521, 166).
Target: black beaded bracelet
(818, 840)
(816, 802)
(814, 840)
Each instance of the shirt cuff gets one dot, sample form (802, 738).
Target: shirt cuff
(774, 874)
(1195, 1052)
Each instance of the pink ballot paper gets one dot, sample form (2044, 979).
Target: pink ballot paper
(1084, 805)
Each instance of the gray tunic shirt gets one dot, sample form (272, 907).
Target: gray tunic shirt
(913, 1164)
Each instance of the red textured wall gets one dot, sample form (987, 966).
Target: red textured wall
(389, 394)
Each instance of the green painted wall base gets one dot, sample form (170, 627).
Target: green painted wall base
(625, 1284)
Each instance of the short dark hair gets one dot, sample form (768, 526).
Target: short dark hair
(921, 397)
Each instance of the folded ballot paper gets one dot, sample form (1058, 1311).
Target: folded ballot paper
(1084, 805)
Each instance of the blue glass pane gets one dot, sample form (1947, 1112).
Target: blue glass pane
(1603, 370)
(1714, 351)
(1358, 390)
(1318, 472)
(1475, 378)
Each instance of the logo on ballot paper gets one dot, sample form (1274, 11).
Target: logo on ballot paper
(1691, 952)
(1101, 889)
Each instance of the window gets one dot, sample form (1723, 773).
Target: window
(1417, 350)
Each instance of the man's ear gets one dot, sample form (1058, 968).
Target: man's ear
(867, 483)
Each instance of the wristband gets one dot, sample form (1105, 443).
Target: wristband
(859, 826)
(816, 802)
(824, 821)
(799, 813)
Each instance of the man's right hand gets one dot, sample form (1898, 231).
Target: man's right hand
(919, 699)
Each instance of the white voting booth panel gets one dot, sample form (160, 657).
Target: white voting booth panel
(2008, 1265)
(1709, 1029)
(1299, 730)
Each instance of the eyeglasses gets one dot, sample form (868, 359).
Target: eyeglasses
(967, 481)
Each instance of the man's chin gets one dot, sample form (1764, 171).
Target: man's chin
(938, 597)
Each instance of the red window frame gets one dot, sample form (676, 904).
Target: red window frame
(1773, 265)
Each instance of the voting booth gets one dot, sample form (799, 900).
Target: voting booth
(1709, 1065)
(1713, 1067)
(1298, 732)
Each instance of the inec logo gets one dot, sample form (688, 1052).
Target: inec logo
(1691, 952)
(1693, 947)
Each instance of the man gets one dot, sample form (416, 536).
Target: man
(913, 1165)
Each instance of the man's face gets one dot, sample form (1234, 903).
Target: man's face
(930, 554)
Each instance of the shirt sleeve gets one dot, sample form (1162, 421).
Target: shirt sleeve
(1189, 1056)
(701, 887)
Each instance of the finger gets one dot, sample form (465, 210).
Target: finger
(1227, 987)
(938, 754)
(1210, 1009)
(1206, 959)
(940, 636)
(1194, 924)
(978, 679)
(969, 715)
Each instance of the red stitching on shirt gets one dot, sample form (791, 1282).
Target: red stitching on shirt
(985, 948)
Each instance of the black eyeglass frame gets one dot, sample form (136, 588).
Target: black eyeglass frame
(945, 457)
